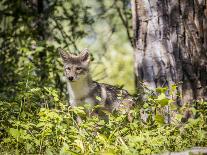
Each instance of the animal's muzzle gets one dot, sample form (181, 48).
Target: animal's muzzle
(70, 78)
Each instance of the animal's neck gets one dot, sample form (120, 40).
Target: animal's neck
(79, 89)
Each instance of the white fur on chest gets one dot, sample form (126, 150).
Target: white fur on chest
(79, 93)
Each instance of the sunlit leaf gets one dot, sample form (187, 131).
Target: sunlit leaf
(160, 119)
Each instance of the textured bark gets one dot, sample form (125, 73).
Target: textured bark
(171, 45)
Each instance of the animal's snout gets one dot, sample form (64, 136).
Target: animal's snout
(70, 78)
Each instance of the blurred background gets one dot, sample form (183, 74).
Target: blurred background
(32, 30)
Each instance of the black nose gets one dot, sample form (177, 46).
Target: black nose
(70, 78)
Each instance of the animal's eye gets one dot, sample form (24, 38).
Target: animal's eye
(78, 68)
(68, 68)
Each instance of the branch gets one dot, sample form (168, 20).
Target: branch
(65, 35)
(125, 23)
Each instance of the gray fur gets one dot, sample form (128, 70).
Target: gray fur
(85, 91)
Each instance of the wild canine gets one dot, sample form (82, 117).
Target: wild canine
(83, 90)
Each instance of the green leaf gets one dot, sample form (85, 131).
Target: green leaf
(161, 90)
(79, 143)
(98, 98)
(161, 97)
(14, 133)
(173, 88)
(39, 49)
(163, 100)
(98, 106)
(88, 106)
(40, 124)
(179, 117)
(79, 110)
(56, 99)
(145, 106)
(160, 119)
(193, 110)
(173, 106)
(102, 138)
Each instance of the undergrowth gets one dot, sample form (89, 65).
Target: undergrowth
(36, 120)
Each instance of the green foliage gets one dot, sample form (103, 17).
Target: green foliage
(35, 118)
(38, 121)
(31, 31)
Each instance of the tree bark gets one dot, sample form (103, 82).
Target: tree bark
(170, 38)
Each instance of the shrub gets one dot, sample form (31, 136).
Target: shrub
(37, 121)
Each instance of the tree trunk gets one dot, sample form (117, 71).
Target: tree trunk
(170, 38)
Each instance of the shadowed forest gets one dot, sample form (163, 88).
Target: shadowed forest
(155, 49)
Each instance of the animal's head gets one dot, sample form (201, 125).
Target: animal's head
(76, 67)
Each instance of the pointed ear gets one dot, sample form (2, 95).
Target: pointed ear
(85, 57)
(64, 55)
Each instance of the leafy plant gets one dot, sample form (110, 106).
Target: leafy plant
(39, 121)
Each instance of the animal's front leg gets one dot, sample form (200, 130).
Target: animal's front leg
(73, 104)
(79, 120)
(89, 104)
